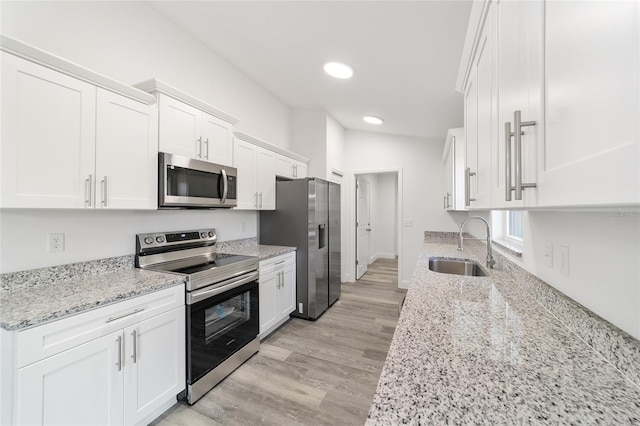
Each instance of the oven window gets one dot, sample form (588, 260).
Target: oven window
(224, 317)
(183, 182)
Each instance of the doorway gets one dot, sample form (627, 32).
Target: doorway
(376, 219)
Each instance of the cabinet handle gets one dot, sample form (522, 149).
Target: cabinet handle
(199, 148)
(119, 363)
(255, 199)
(206, 145)
(293, 170)
(507, 163)
(518, 124)
(135, 346)
(135, 311)
(445, 201)
(87, 190)
(103, 182)
(261, 200)
(280, 263)
(467, 188)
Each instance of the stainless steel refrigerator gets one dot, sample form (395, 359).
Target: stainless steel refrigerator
(307, 216)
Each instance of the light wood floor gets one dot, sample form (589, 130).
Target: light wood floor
(322, 372)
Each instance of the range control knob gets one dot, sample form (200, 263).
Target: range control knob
(203, 235)
(148, 240)
(211, 234)
(160, 238)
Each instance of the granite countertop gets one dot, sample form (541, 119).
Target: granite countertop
(250, 247)
(471, 350)
(35, 297)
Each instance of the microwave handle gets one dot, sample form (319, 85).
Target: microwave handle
(226, 186)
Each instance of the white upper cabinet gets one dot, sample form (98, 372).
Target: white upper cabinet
(453, 158)
(48, 137)
(289, 168)
(563, 119)
(67, 143)
(519, 89)
(256, 176)
(591, 154)
(126, 153)
(190, 127)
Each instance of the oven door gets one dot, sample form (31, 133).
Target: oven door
(220, 325)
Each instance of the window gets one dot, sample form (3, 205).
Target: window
(514, 225)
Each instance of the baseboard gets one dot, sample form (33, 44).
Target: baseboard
(405, 284)
(348, 278)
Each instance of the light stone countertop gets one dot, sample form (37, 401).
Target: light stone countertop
(482, 350)
(35, 297)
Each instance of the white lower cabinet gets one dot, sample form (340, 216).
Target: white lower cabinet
(124, 377)
(277, 291)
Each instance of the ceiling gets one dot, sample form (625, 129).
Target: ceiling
(405, 55)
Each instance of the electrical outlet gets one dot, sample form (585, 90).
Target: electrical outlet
(56, 243)
(563, 260)
(548, 254)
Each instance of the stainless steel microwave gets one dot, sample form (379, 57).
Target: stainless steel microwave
(189, 183)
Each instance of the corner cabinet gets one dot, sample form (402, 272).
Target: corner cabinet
(69, 143)
(190, 127)
(553, 104)
(277, 291)
(104, 366)
(453, 158)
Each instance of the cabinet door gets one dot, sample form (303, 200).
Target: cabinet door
(48, 137)
(268, 296)
(301, 170)
(471, 137)
(217, 140)
(81, 386)
(519, 89)
(485, 72)
(155, 364)
(179, 128)
(285, 167)
(126, 153)
(266, 179)
(244, 161)
(591, 153)
(287, 291)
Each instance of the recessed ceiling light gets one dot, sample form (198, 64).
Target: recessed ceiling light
(372, 120)
(338, 70)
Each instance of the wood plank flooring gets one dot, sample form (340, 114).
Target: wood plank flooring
(322, 372)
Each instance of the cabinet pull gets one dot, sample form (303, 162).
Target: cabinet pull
(87, 190)
(103, 182)
(507, 163)
(206, 152)
(518, 124)
(293, 170)
(445, 201)
(261, 200)
(199, 147)
(255, 199)
(134, 333)
(119, 363)
(135, 311)
(467, 188)
(280, 262)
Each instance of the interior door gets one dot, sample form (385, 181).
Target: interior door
(363, 226)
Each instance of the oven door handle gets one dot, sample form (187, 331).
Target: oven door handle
(197, 296)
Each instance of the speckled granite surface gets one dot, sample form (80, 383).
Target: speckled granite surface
(35, 297)
(471, 350)
(250, 247)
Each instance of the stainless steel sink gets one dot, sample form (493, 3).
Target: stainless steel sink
(456, 267)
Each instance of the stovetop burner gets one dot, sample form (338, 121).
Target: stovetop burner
(219, 260)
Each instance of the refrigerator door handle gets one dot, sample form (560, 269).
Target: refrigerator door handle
(322, 236)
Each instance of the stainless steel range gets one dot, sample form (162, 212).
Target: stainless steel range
(221, 298)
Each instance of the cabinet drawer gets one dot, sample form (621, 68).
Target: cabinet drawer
(49, 339)
(278, 262)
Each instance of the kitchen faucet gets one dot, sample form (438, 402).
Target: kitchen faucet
(490, 260)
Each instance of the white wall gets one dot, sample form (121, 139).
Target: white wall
(131, 42)
(604, 259)
(93, 235)
(421, 178)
